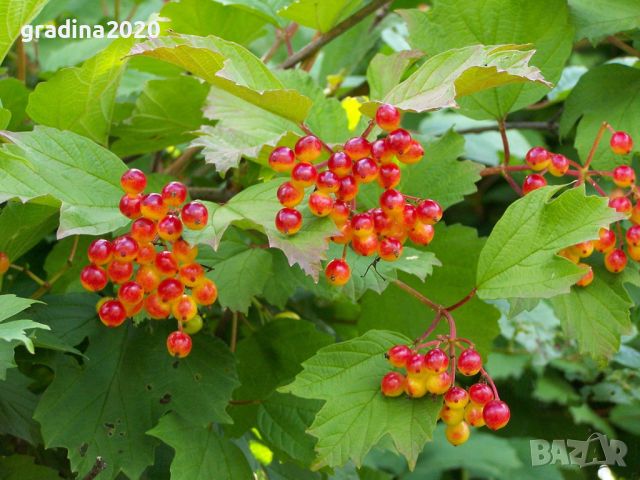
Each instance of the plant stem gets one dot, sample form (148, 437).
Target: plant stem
(116, 10)
(336, 31)
(177, 167)
(595, 185)
(460, 303)
(367, 130)
(412, 291)
(429, 330)
(29, 274)
(499, 170)
(234, 332)
(21, 60)
(490, 380)
(625, 47)
(596, 142)
(69, 263)
(505, 142)
(308, 131)
(98, 467)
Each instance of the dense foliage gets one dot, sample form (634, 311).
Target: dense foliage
(235, 324)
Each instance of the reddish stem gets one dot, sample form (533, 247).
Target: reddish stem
(595, 185)
(308, 131)
(490, 380)
(503, 168)
(458, 304)
(596, 142)
(431, 328)
(367, 130)
(412, 291)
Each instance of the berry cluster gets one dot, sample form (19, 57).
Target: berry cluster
(432, 372)
(380, 231)
(153, 267)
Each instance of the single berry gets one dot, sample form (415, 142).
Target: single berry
(344, 236)
(133, 181)
(166, 263)
(170, 228)
(191, 274)
(308, 148)
(624, 176)
(340, 213)
(469, 362)
(146, 253)
(413, 154)
(635, 213)
(388, 117)
(119, 272)
(382, 223)
(392, 202)
(130, 205)
(304, 175)
(621, 143)
(416, 366)
(5, 263)
(365, 170)
(125, 249)
(179, 344)
(633, 235)
(456, 398)
(587, 278)
(170, 289)
(156, 308)
(457, 434)
(143, 230)
(112, 313)
(409, 215)
(148, 278)
(538, 158)
(153, 206)
(366, 245)
(340, 163)
(451, 416)
(392, 384)
(633, 253)
(184, 252)
(583, 249)
(357, 148)
(362, 224)
(389, 249)
(415, 387)
(496, 414)
(389, 176)
(100, 251)
(328, 182)
(429, 212)
(533, 182)
(184, 308)
(174, 194)
(480, 393)
(615, 261)
(606, 241)
(473, 415)
(381, 151)
(348, 188)
(398, 355)
(93, 278)
(570, 254)
(337, 272)
(282, 159)
(399, 141)
(421, 233)
(193, 326)
(320, 204)
(194, 215)
(621, 204)
(131, 293)
(205, 293)
(559, 165)
(436, 360)
(288, 221)
(439, 383)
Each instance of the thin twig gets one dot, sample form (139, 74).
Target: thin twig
(21, 60)
(460, 303)
(485, 172)
(98, 467)
(234, 332)
(545, 126)
(596, 142)
(505, 142)
(55, 277)
(625, 47)
(177, 167)
(412, 291)
(29, 274)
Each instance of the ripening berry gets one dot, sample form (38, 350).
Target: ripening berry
(357, 148)
(399, 141)
(392, 384)
(365, 246)
(282, 159)
(409, 215)
(388, 117)
(533, 182)
(93, 278)
(621, 143)
(496, 414)
(184, 252)
(633, 253)
(413, 154)
(340, 163)
(392, 202)
(365, 170)
(156, 308)
(205, 293)
(583, 249)
(191, 274)
(130, 205)
(633, 235)
(308, 148)
(587, 278)
(166, 263)
(119, 272)
(194, 215)
(421, 233)
(559, 165)
(328, 182)
(304, 175)
(480, 393)
(112, 313)
(439, 383)
(621, 205)
(381, 152)
(320, 204)
(184, 308)
(348, 188)
(382, 223)
(615, 261)
(606, 241)
(143, 230)
(170, 289)
(415, 366)
(389, 249)
(389, 176)
(337, 272)
(635, 213)
(288, 221)
(538, 158)
(179, 344)
(133, 310)
(193, 326)
(362, 224)
(429, 212)
(4, 263)
(131, 293)
(469, 362)
(570, 254)
(125, 249)
(415, 387)
(133, 181)
(456, 398)
(174, 194)
(153, 206)
(146, 253)
(344, 236)
(100, 251)
(473, 414)
(436, 360)
(170, 228)
(148, 278)
(457, 434)
(398, 355)
(340, 213)
(451, 416)
(624, 176)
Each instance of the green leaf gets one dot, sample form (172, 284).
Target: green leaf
(587, 107)
(161, 118)
(268, 9)
(319, 15)
(458, 249)
(347, 376)
(124, 387)
(453, 24)
(441, 161)
(553, 388)
(14, 97)
(15, 14)
(595, 19)
(25, 225)
(200, 451)
(385, 71)
(459, 72)
(626, 417)
(520, 257)
(82, 99)
(229, 67)
(5, 116)
(17, 404)
(596, 316)
(23, 467)
(57, 261)
(46, 161)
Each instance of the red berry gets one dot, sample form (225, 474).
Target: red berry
(184, 252)
(133, 310)
(308, 148)
(362, 224)
(399, 141)
(184, 308)
(559, 165)
(205, 293)
(392, 384)
(388, 117)
(436, 360)
(100, 251)
(409, 215)
(429, 212)
(282, 159)
(533, 182)
(456, 398)
(130, 205)
(174, 194)
(120, 272)
(357, 148)
(382, 223)
(340, 163)
(93, 278)
(191, 274)
(621, 205)
(392, 202)
(131, 293)
(320, 204)
(496, 414)
(153, 206)
(340, 213)
(621, 143)
(179, 344)
(480, 393)
(328, 182)
(194, 215)
(112, 313)
(337, 272)
(288, 221)
(381, 152)
(416, 365)
(421, 233)
(615, 260)
(133, 181)
(170, 289)
(366, 245)
(587, 278)
(125, 248)
(4, 263)
(389, 176)
(304, 175)
(170, 228)
(389, 249)
(143, 230)
(398, 355)
(146, 253)
(538, 158)
(413, 153)
(348, 188)
(633, 235)
(606, 241)
(156, 308)
(469, 362)
(624, 176)
(344, 236)
(166, 263)
(289, 195)
(365, 170)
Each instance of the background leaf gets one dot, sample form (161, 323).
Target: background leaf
(16, 14)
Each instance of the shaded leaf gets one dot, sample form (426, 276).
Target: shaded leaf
(16, 13)
(595, 19)
(17, 404)
(319, 15)
(24, 225)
